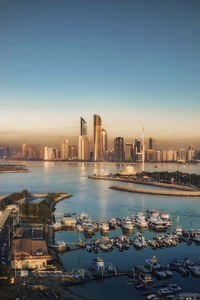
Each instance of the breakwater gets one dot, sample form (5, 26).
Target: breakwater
(156, 192)
(154, 183)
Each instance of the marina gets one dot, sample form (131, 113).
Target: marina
(102, 204)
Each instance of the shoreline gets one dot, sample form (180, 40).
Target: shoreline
(155, 192)
(111, 162)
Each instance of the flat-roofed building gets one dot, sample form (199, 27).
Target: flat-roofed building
(29, 254)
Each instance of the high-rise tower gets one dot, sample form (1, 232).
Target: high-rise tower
(83, 127)
(97, 138)
(119, 149)
(104, 141)
(83, 143)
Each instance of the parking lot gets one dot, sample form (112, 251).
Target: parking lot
(5, 241)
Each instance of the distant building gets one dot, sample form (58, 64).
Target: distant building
(49, 153)
(158, 155)
(170, 155)
(29, 254)
(97, 138)
(64, 151)
(83, 148)
(119, 149)
(128, 152)
(150, 155)
(72, 152)
(164, 155)
(182, 155)
(150, 143)
(27, 152)
(137, 151)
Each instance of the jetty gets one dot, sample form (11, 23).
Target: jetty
(165, 192)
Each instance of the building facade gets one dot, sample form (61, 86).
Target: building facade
(97, 138)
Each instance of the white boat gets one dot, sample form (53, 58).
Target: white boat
(103, 226)
(82, 218)
(127, 224)
(68, 222)
(80, 228)
(165, 217)
(156, 223)
(195, 270)
(196, 238)
(59, 246)
(56, 226)
(89, 228)
(152, 264)
(97, 264)
(140, 220)
(103, 247)
(178, 231)
(139, 241)
(112, 223)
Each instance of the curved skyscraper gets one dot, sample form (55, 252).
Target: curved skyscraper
(97, 138)
(83, 148)
(104, 141)
(83, 127)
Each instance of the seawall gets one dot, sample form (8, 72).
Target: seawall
(155, 183)
(156, 192)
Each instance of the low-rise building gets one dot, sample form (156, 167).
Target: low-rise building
(29, 254)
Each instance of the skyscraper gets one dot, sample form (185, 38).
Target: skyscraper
(83, 127)
(83, 142)
(150, 143)
(97, 138)
(128, 152)
(64, 150)
(104, 141)
(83, 148)
(119, 149)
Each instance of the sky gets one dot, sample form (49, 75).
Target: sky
(133, 62)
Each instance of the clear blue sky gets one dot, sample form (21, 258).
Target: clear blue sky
(135, 61)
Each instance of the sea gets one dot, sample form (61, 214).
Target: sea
(101, 203)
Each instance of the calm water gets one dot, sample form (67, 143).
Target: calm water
(99, 202)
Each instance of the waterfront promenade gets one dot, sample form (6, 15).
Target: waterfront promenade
(166, 192)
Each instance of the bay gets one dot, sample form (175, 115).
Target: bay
(99, 202)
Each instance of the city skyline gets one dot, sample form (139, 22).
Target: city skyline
(133, 62)
(121, 150)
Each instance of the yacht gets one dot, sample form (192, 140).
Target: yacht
(80, 228)
(139, 241)
(178, 231)
(152, 264)
(59, 246)
(140, 221)
(166, 218)
(112, 223)
(82, 218)
(156, 223)
(127, 224)
(196, 238)
(56, 226)
(89, 228)
(103, 226)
